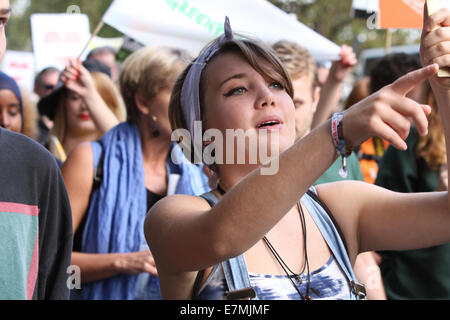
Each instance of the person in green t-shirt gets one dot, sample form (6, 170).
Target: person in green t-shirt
(422, 273)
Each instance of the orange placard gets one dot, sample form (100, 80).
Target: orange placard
(401, 14)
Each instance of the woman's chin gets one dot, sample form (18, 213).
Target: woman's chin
(85, 128)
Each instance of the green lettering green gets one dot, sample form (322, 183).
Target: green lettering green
(183, 7)
(172, 4)
(192, 13)
(200, 18)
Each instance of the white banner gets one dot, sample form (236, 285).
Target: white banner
(20, 66)
(58, 37)
(191, 24)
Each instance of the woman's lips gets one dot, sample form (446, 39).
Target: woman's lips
(277, 126)
(85, 116)
(270, 123)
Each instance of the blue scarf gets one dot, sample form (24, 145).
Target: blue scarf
(118, 207)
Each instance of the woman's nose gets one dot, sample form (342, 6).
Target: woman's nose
(266, 98)
(4, 121)
(83, 106)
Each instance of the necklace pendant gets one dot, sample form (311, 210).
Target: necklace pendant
(308, 297)
(343, 172)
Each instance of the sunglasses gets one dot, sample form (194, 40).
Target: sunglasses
(48, 86)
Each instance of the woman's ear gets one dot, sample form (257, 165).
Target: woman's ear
(143, 106)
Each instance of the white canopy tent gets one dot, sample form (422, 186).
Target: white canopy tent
(191, 24)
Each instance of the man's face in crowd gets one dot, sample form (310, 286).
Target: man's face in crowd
(47, 84)
(5, 13)
(109, 59)
(305, 101)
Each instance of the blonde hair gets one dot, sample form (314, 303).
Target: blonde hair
(432, 146)
(30, 115)
(109, 93)
(147, 71)
(297, 60)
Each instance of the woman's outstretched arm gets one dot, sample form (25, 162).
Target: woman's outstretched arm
(184, 234)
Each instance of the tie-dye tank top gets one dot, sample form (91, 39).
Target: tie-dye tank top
(327, 283)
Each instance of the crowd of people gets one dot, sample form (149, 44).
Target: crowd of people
(94, 175)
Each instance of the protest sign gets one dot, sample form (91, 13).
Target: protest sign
(401, 14)
(58, 37)
(20, 66)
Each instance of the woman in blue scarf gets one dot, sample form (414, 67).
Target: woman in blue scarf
(18, 113)
(134, 165)
(11, 107)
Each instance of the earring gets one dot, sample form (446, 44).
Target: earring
(155, 132)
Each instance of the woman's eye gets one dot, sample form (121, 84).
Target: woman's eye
(277, 85)
(235, 91)
(3, 22)
(13, 112)
(298, 104)
(74, 97)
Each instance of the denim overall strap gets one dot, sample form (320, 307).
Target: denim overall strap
(235, 269)
(330, 232)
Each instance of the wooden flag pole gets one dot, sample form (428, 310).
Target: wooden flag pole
(388, 40)
(94, 34)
